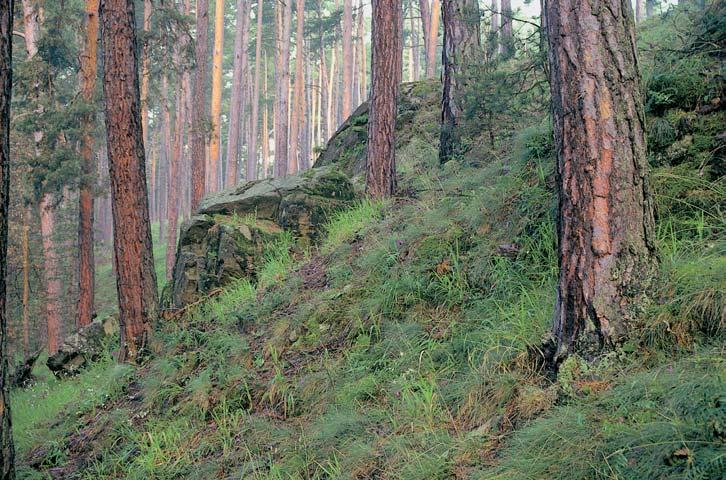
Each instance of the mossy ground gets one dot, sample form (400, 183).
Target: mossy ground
(407, 345)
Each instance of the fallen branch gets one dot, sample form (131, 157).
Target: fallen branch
(174, 314)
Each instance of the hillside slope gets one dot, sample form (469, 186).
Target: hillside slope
(408, 345)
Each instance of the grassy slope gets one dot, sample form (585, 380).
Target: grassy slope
(407, 347)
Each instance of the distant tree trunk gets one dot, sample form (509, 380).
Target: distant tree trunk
(86, 263)
(265, 137)
(462, 50)
(425, 9)
(330, 113)
(433, 39)
(133, 258)
(507, 35)
(649, 7)
(283, 14)
(53, 287)
(216, 114)
(386, 39)
(347, 39)
(298, 95)
(177, 154)
(199, 107)
(605, 218)
(146, 75)
(25, 247)
(235, 105)
(639, 10)
(363, 53)
(251, 171)
(493, 40)
(7, 451)
(415, 53)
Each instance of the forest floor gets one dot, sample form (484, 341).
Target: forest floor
(408, 345)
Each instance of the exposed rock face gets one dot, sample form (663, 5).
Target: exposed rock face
(83, 347)
(226, 239)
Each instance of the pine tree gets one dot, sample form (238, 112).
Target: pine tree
(239, 67)
(386, 68)
(133, 259)
(199, 107)
(283, 15)
(7, 452)
(251, 170)
(605, 213)
(216, 112)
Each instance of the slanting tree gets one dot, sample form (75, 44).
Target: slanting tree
(7, 452)
(199, 106)
(605, 214)
(133, 258)
(86, 263)
(386, 68)
(462, 50)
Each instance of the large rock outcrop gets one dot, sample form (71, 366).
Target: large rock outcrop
(225, 240)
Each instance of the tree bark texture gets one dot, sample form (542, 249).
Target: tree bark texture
(507, 34)
(433, 39)
(86, 262)
(251, 170)
(216, 113)
(297, 114)
(53, 287)
(133, 258)
(239, 64)
(7, 451)
(199, 110)
(347, 39)
(282, 85)
(462, 50)
(385, 63)
(605, 213)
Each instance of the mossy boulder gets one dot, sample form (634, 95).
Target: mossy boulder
(83, 347)
(226, 239)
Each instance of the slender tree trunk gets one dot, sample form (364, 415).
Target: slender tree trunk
(507, 35)
(86, 262)
(133, 257)
(347, 65)
(493, 43)
(433, 39)
(605, 218)
(282, 85)
(386, 38)
(7, 451)
(298, 97)
(216, 114)
(53, 287)
(146, 75)
(425, 9)
(25, 247)
(251, 171)
(462, 50)
(235, 106)
(331, 89)
(649, 7)
(639, 10)
(362, 84)
(199, 109)
(265, 137)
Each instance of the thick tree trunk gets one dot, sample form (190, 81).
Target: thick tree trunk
(298, 112)
(386, 38)
(251, 171)
(605, 217)
(462, 50)
(235, 106)
(433, 39)
(199, 108)
(216, 113)
(507, 34)
(7, 452)
(347, 39)
(53, 287)
(283, 14)
(133, 258)
(86, 262)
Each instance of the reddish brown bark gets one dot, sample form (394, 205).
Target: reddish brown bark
(7, 452)
(265, 137)
(251, 169)
(433, 39)
(297, 114)
(25, 247)
(199, 108)
(462, 50)
(493, 38)
(52, 282)
(241, 38)
(86, 263)
(385, 64)
(216, 111)
(507, 35)
(133, 258)
(605, 218)
(283, 14)
(347, 39)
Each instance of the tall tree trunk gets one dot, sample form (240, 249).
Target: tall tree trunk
(25, 247)
(462, 50)
(146, 75)
(235, 106)
(605, 217)
(425, 9)
(251, 170)
(639, 10)
(133, 257)
(433, 39)
(386, 39)
(493, 38)
(265, 137)
(7, 451)
(331, 89)
(415, 54)
(282, 85)
(53, 287)
(297, 102)
(362, 84)
(86, 262)
(216, 114)
(649, 7)
(507, 34)
(199, 108)
(347, 39)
